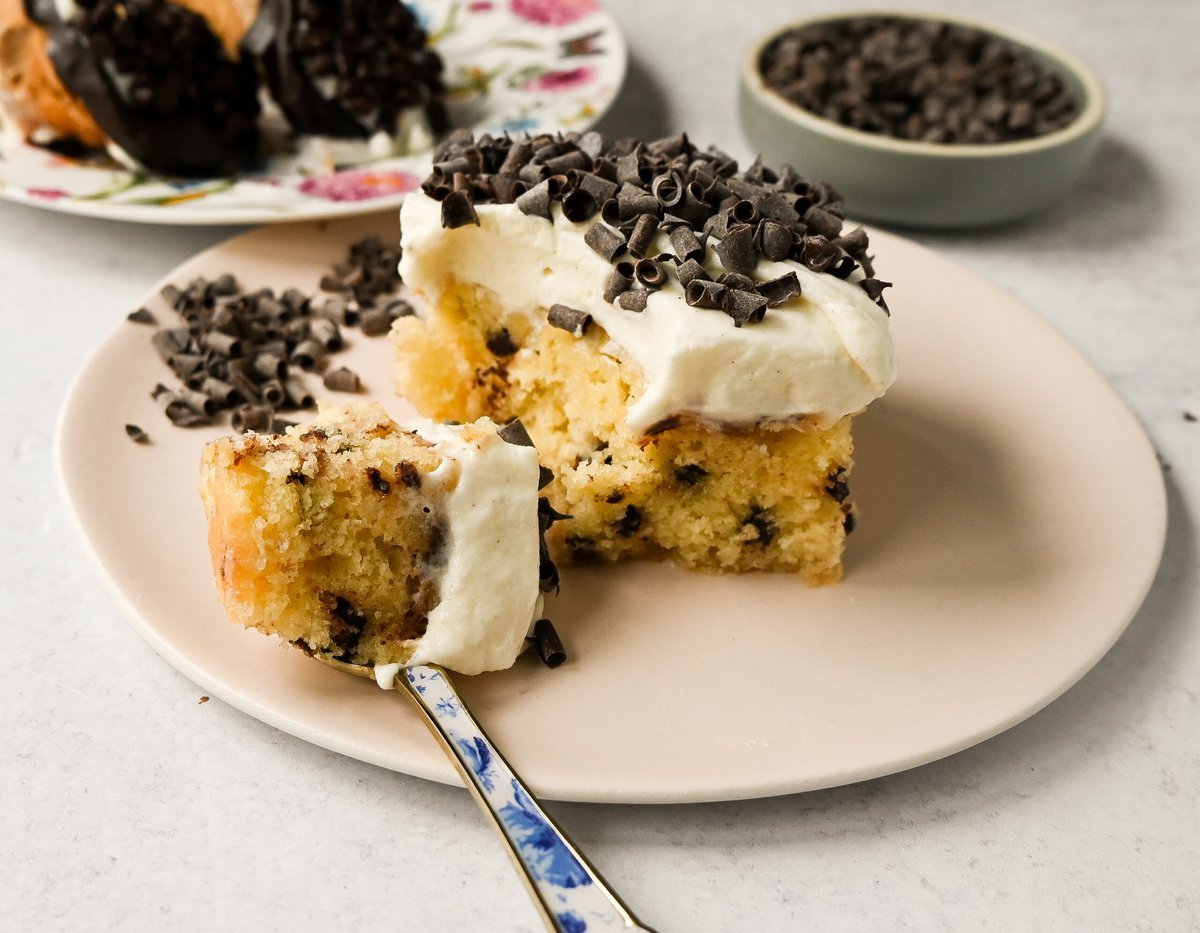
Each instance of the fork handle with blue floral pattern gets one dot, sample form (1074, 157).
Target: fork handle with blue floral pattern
(571, 894)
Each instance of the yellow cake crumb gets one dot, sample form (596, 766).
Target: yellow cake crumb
(323, 535)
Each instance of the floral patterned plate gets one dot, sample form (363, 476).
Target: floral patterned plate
(511, 66)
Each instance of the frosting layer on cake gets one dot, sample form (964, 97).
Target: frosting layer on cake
(823, 355)
(489, 584)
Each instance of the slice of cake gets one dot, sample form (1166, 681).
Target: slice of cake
(686, 344)
(364, 542)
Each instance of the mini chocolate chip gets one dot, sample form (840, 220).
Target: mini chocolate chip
(378, 483)
(760, 520)
(136, 434)
(500, 343)
(581, 548)
(836, 485)
(690, 473)
(347, 623)
(408, 474)
(628, 524)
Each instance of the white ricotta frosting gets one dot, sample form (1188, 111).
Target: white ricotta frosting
(488, 587)
(825, 354)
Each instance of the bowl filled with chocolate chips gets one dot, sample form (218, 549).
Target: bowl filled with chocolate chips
(924, 121)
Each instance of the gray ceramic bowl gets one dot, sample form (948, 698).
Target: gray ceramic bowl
(928, 184)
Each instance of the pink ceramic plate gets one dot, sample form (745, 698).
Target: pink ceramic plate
(1012, 517)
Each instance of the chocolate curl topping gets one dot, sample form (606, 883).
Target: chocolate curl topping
(650, 273)
(643, 234)
(518, 154)
(853, 242)
(243, 348)
(605, 241)
(780, 290)
(578, 206)
(569, 319)
(668, 189)
(689, 271)
(619, 280)
(736, 280)
(736, 250)
(718, 224)
(610, 212)
(668, 145)
(251, 418)
(536, 201)
(667, 185)
(744, 212)
(777, 206)
(818, 253)
(774, 239)
(549, 646)
(629, 170)
(599, 188)
(632, 300)
(821, 222)
(632, 203)
(874, 289)
(273, 392)
(573, 159)
(685, 244)
(458, 211)
(508, 188)
(702, 293)
(744, 307)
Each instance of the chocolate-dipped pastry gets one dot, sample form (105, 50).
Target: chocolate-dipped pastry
(157, 81)
(348, 70)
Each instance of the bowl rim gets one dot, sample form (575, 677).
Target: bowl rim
(1090, 117)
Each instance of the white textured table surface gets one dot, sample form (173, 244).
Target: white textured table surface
(128, 805)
